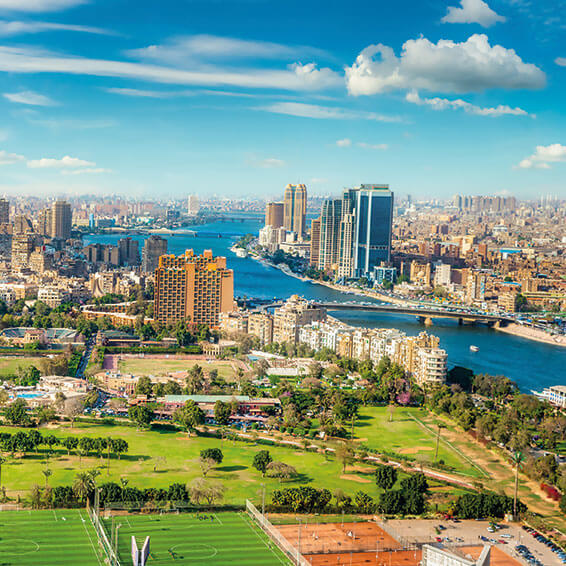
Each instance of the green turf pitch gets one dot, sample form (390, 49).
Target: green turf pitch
(48, 538)
(183, 539)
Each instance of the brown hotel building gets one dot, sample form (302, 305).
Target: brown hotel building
(193, 287)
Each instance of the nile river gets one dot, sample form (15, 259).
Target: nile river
(533, 365)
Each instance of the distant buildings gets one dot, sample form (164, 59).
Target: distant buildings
(274, 214)
(329, 238)
(4, 211)
(154, 247)
(193, 205)
(193, 288)
(289, 318)
(128, 251)
(295, 209)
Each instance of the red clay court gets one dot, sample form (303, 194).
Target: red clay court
(395, 558)
(339, 538)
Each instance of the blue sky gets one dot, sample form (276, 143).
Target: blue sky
(240, 97)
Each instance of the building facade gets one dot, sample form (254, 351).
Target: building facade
(274, 214)
(295, 208)
(61, 220)
(154, 247)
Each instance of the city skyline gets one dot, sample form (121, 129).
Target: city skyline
(434, 99)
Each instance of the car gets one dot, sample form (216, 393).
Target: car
(507, 535)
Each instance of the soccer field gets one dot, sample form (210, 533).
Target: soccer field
(228, 538)
(48, 538)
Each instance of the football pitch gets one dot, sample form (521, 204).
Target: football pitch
(48, 538)
(212, 540)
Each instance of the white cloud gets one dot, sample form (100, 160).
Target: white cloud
(29, 97)
(346, 142)
(38, 5)
(144, 93)
(10, 158)
(472, 12)
(185, 50)
(560, 61)
(379, 146)
(457, 104)
(88, 171)
(18, 28)
(471, 66)
(315, 111)
(296, 77)
(266, 163)
(63, 163)
(543, 156)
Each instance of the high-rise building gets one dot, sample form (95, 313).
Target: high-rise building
(329, 249)
(4, 211)
(315, 242)
(43, 224)
(61, 220)
(295, 208)
(193, 287)
(22, 247)
(372, 206)
(22, 225)
(274, 214)
(154, 247)
(193, 205)
(129, 251)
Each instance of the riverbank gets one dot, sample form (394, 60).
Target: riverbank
(533, 334)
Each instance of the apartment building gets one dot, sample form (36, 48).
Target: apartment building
(289, 318)
(195, 288)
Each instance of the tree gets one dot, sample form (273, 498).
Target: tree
(144, 386)
(195, 380)
(222, 412)
(315, 370)
(281, 471)
(212, 453)
(73, 408)
(261, 460)
(84, 485)
(206, 464)
(142, 415)
(47, 473)
(385, 476)
(344, 454)
(16, 413)
(2, 461)
(364, 502)
(190, 416)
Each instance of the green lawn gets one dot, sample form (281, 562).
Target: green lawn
(159, 458)
(144, 366)
(9, 364)
(404, 435)
(230, 538)
(46, 538)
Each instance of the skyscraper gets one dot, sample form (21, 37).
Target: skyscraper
(274, 214)
(129, 251)
(295, 208)
(372, 206)
(4, 211)
(329, 249)
(315, 242)
(61, 220)
(193, 205)
(193, 287)
(154, 247)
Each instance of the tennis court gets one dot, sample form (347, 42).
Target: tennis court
(48, 538)
(197, 539)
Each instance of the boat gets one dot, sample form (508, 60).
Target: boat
(241, 252)
(474, 348)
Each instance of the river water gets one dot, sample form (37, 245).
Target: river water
(532, 365)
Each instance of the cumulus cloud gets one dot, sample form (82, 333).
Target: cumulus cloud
(472, 12)
(459, 104)
(269, 163)
(346, 142)
(543, 156)
(10, 158)
(447, 66)
(38, 5)
(29, 98)
(379, 146)
(560, 61)
(66, 162)
(19, 28)
(295, 77)
(315, 111)
(88, 171)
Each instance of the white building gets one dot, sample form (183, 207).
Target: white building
(442, 275)
(52, 296)
(434, 556)
(193, 205)
(430, 366)
(556, 395)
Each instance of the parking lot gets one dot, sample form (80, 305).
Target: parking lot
(452, 533)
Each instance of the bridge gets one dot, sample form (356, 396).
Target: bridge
(425, 314)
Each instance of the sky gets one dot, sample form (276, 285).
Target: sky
(238, 98)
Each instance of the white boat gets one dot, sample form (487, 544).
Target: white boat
(474, 348)
(241, 252)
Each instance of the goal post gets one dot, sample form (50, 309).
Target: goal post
(282, 543)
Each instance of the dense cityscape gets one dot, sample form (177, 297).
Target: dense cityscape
(282, 283)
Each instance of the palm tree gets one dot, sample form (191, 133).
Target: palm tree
(47, 472)
(2, 461)
(83, 485)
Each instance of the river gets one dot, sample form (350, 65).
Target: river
(532, 365)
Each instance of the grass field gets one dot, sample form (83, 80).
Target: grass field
(159, 458)
(404, 435)
(163, 366)
(231, 538)
(48, 538)
(9, 364)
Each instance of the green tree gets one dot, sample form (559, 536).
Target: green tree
(144, 386)
(262, 459)
(385, 476)
(190, 416)
(214, 454)
(222, 412)
(16, 413)
(142, 415)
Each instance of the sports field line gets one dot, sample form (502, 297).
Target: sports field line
(55, 514)
(218, 519)
(248, 522)
(88, 535)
